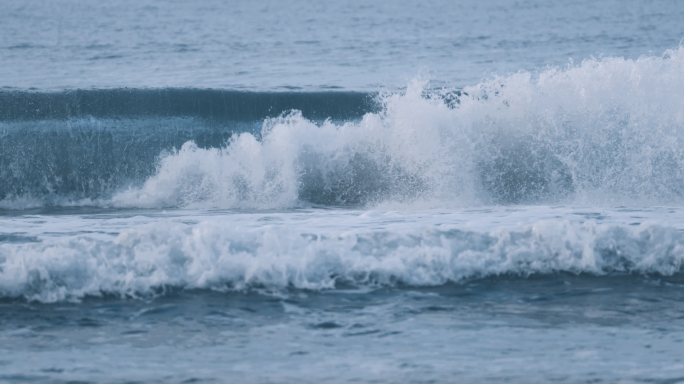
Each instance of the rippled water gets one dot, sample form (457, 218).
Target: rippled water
(267, 192)
(355, 45)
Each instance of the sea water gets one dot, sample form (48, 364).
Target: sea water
(388, 192)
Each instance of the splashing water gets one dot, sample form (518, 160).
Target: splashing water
(606, 131)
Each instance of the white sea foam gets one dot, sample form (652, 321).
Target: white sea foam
(606, 131)
(222, 254)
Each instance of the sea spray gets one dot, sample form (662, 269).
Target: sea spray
(607, 131)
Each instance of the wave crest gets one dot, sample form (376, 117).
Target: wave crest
(605, 131)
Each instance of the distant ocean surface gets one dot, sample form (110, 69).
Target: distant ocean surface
(385, 192)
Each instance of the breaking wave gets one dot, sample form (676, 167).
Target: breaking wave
(606, 131)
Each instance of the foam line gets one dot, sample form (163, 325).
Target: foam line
(145, 260)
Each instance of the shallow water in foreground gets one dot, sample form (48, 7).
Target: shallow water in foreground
(560, 328)
(412, 307)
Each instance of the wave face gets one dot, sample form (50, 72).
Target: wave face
(148, 259)
(64, 147)
(604, 131)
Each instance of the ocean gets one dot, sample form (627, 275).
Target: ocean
(341, 192)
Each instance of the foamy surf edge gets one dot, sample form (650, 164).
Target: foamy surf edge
(146, 260)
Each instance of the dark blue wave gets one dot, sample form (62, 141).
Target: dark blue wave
(214, 105)
(88, 143)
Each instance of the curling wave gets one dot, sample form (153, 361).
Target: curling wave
(80, 147)
(606, 131)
